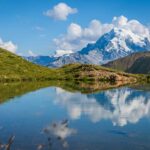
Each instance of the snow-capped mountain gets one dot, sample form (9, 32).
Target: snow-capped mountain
(112, 45)
(41, 60)
(117, 43)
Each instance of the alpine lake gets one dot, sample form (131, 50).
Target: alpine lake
(78, 116)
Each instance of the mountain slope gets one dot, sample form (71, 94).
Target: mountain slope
(134, 63)
(13, 67)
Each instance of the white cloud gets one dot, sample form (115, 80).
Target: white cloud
(138, 28)
(76, 37)
(10, 46)
(61, 11)
(74, 31)
(95, 30)
(120, 21)
(62, 52)
(31, 53)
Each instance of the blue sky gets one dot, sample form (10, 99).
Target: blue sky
(23, 21)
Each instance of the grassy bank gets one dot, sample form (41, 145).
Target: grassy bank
(13, 89)
(14, 68)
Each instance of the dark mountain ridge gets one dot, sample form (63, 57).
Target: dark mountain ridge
(138, 63)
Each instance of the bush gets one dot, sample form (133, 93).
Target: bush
(113, 78)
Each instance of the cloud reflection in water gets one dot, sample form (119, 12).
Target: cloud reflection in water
(60, 131)
(121, 106)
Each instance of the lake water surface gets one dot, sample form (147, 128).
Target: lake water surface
(52, 118)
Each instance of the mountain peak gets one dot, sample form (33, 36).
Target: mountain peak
(122, 39)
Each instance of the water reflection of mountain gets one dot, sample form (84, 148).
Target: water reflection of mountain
(105, 98)
(121, 106)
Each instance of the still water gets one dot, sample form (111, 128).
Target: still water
(52, 118)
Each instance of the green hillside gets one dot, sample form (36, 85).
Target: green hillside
(88, 72)
(137, 63)
(15, 68)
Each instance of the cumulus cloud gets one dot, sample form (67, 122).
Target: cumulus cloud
(119, 21)
(10, 46)
(76, 37)
(137, 28)
(74, 31)
(31, 53)
(95, 30)
(61, 11)
(62, 52)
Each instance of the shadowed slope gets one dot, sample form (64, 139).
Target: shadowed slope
(135, 63)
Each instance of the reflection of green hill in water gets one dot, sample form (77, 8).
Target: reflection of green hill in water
(141, 86)
(11, 90)
(88, 87)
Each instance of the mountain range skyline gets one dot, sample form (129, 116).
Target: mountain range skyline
(119, 42)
